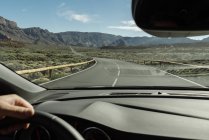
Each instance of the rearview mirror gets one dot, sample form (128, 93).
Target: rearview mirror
(172, 18)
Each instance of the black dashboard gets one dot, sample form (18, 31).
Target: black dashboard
(105, 117)
(128, 117)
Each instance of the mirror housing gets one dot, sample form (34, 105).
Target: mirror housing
(172, 18)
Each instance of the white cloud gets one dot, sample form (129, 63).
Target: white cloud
(81, 18)
(199, 37)
(129, 23)
(70, 15)
(126, 25)
(136, 29)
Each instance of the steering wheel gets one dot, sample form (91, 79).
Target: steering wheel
(63, 130)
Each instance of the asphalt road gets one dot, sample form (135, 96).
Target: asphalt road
(112, 73)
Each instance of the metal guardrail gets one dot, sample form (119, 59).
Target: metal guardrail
(175, 63)
(194, 69)
(53, 67)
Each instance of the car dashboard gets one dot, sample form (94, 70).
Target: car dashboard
(105, 117)
(111, 116)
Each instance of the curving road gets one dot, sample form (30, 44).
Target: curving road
(111, 73)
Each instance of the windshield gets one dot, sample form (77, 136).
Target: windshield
(65, 44)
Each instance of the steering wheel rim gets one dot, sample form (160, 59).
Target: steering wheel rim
(58, 125)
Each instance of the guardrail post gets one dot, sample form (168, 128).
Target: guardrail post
(83, 66)
(50, 73)
(44, 72)
(88, 64)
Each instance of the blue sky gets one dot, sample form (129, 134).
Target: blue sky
(107, 16)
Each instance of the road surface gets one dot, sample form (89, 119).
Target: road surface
(112, 73)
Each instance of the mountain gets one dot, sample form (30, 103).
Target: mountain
(39, 35)
(88, 39)
(134, 41)
(9, 30)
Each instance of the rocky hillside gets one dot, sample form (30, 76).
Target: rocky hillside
(10, 31)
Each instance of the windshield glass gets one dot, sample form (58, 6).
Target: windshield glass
(64, 44)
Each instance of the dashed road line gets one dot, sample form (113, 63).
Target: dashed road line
(118, 73)
(114, 83)
(116, 80)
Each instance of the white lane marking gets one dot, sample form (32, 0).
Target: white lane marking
(114, 83)
(187, 80)
(70, 74)
(118, 69)
(118, 73)
(116, 79)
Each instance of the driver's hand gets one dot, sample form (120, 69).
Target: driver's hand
(16, 107)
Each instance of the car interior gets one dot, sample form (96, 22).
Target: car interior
(122, 112)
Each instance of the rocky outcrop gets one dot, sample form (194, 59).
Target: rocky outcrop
(5, 22)
(4, 37)
(12, 24)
